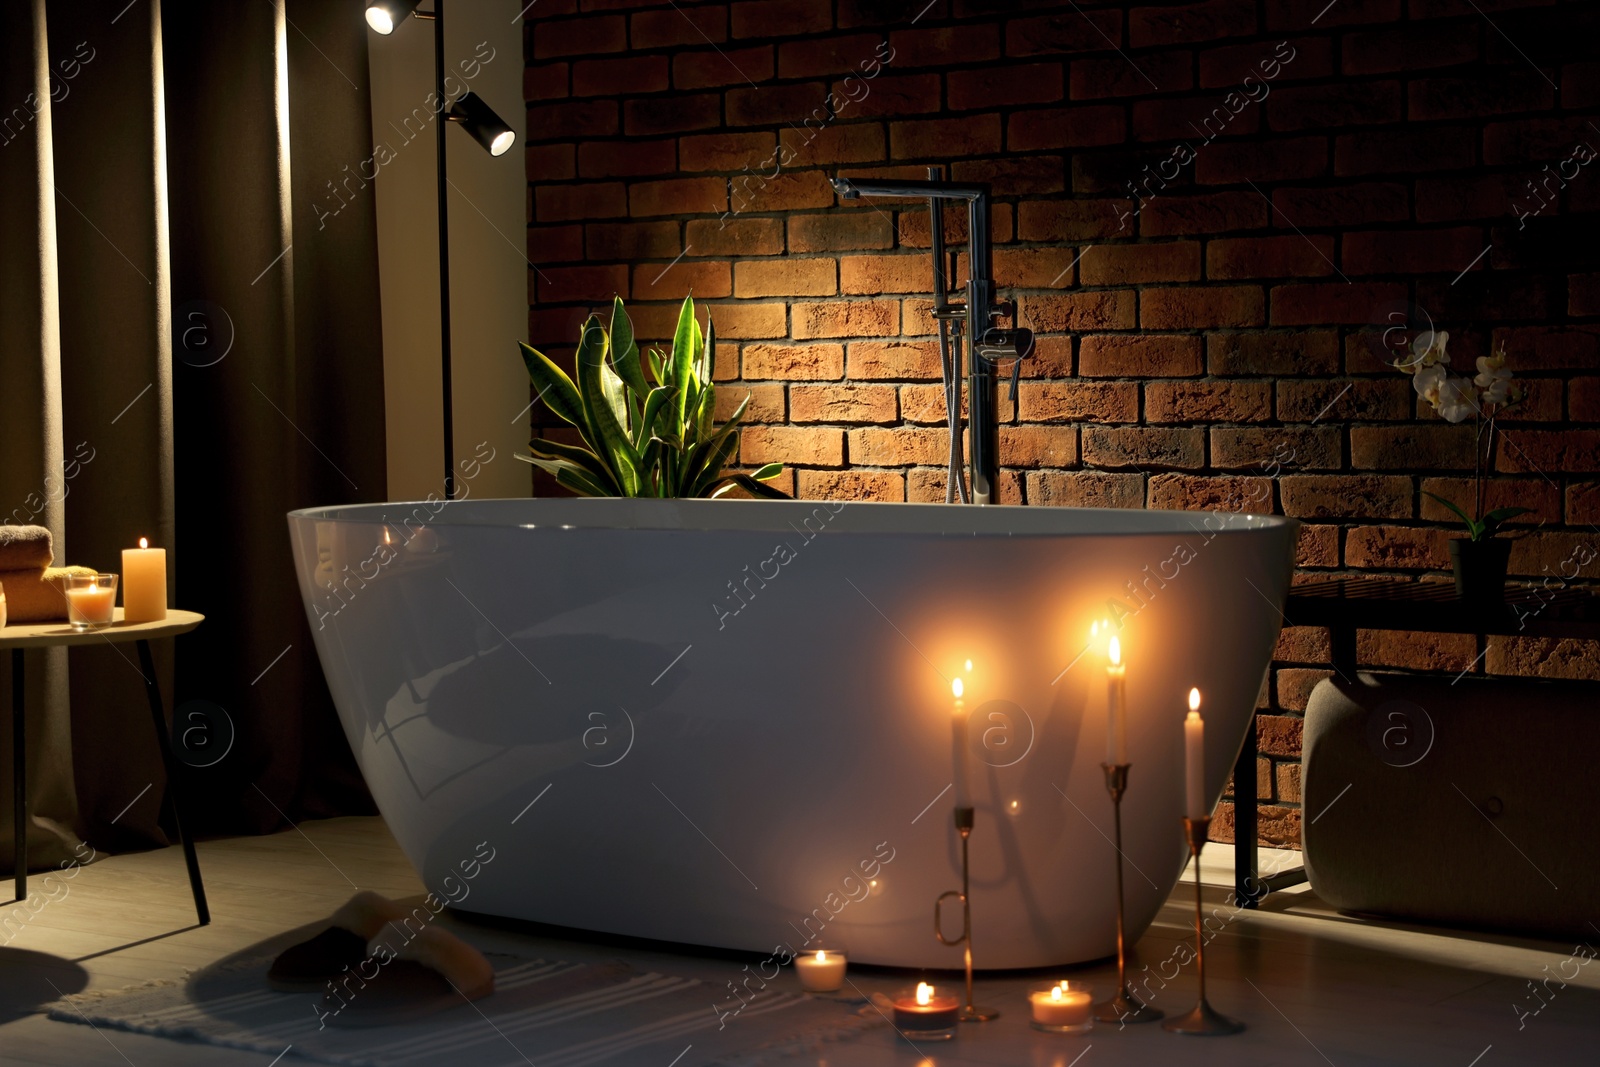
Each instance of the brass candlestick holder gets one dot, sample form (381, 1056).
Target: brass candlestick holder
(971, 1013)
(1124, 1007)
(1202, 1021)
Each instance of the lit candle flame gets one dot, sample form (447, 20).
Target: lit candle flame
(969, 666)
(1116, 652)
(956, 688)
(1194, 700)
(924, 994)
(822, 956)
(144, 542)
(1055, 993)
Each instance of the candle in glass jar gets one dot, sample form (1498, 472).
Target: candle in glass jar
(1194, 741)
(1062, 1005)
(925, 1010)
(958, 742)
(92, 603)
(144, 583)
(820, 971)
(1116, 706)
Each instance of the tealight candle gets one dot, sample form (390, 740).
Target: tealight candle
(144, 583)
(1194, 752)
(1116, 706)
(926, 1014)
(820, 971)
(91, 600)
(1062, 1008)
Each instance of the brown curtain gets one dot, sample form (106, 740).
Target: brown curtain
(172, 311)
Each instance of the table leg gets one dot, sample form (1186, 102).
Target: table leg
(1247, 890)
(163, 742)
(19, 774)
(1343, 642)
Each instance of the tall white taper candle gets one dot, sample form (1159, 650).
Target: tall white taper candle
(1194, 740)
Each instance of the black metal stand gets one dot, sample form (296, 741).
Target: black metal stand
(19, 770)
(969, 1014)
(158, 717)
(1124, 1007)
(19, 775)
(444, 257)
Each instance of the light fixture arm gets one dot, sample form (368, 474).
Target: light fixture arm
(446, 389)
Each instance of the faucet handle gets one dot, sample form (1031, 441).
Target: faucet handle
(998, 343)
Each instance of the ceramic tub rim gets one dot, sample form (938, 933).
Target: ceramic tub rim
(881, 518)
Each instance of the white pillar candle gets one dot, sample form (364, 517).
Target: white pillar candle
(821, 971)
(144, 583)
(1116, 706)
(1194, 741)
(958, 743)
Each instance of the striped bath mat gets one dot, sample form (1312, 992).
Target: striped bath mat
(549, 1013)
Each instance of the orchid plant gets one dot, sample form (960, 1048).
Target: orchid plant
(1482, 397)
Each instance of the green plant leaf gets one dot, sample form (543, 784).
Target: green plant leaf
(683, 354)
(579, 482)
(578, 455)
(555, 388)
(768, 472)
(1499, 516)
(748, 484)
(599, 397)
(708, 412)
(625, 350)
(646, 427)
(658, 368)
(716, 456)
(570, 475)
(708, 353)
(1472, 524)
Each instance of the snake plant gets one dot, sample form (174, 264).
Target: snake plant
(639, 439)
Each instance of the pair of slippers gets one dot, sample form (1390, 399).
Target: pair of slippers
(378, 964)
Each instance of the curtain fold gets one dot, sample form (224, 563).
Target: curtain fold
(170, 364)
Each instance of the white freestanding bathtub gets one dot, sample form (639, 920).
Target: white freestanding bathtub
(728, 723)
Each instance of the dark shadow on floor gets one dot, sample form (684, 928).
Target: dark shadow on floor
(29, 980)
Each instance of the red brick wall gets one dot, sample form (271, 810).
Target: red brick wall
(1203, 209)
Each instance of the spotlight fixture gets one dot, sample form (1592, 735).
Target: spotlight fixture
(479, 119)
(489, 130)
(385, 15)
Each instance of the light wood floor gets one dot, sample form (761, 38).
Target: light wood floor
(1314, 987)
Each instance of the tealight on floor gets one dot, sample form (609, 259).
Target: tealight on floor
(1312, 986)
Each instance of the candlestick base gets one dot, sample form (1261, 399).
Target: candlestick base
(965, 817)
(1203, 1021)
(1124, 1008)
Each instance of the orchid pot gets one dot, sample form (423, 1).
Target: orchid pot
(1480, 568)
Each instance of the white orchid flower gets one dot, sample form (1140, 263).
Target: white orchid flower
(1493, 380)
(1426, 381)
(1427, 350)
(1456, 400)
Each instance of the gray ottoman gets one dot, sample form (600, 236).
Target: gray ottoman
(1474, 804)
